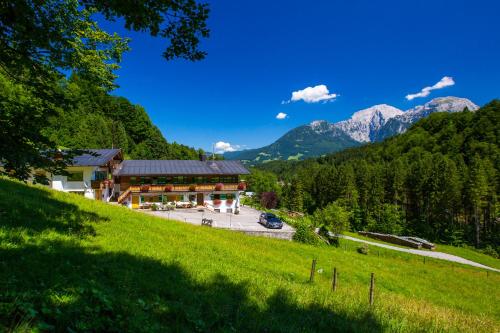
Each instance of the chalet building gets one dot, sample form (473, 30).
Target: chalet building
(213, 184)
(90, 175)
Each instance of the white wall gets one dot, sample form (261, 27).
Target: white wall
(223, 207)
(61, 183)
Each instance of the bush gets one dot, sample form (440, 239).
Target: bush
(363, 249)
(304, 233)
(489, 250)
(333, 218)
(269, 200)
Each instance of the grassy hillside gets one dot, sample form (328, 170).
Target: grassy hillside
(72, 264)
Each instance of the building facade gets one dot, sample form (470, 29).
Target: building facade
(213, 184)
(90, 175)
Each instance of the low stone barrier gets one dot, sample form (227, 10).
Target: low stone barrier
(392, 239)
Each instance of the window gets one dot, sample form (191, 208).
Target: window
(76, 176)
(133, 180)
(162, 180)
(100, 175)
(145, 180)
(215, 196)
(178, 180)
(230, 196)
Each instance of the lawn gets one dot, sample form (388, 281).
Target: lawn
(73, 264)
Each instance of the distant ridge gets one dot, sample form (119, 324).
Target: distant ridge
(372, 124)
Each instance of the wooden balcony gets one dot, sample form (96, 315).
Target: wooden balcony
(181, 188)
(95, 184)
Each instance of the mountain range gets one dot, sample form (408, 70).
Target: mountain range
(368, 125)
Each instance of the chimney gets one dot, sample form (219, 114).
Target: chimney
(203, 157)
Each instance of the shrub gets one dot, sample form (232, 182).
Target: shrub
(363, 249)
(304, 233)
(269, 200)
(489, 250)
(333, 218)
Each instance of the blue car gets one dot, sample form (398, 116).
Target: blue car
(270, 221)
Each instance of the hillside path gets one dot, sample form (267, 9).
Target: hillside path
(432, 254)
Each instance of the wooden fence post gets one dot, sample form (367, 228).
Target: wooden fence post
(334, 282)
(313, 270)
(372, 285)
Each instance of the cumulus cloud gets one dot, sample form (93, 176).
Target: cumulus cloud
(222, 147)
(281, 115)
(312, 95)
(444, 82)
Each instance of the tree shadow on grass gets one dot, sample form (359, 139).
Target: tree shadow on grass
(59, 286)
(55, 284)
(35, 210)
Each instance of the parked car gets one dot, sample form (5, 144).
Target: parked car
(270, 221)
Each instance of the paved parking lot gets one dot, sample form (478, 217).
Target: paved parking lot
(246, 221)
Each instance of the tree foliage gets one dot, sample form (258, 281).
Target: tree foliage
(439, 180)
(42, 41)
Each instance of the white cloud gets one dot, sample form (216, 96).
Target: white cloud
(281, 115)
(444, 82)
(222, 147)
(312, 95)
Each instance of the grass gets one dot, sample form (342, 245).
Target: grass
(72, 264)
(464, 252)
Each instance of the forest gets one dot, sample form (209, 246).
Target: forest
(439, 180)
(92, 118)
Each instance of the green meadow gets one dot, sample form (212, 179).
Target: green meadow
(71, 264)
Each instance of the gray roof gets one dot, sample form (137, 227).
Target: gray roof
(180, 167)
(103, 156)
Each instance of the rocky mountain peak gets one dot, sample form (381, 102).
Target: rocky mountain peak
(380, 111)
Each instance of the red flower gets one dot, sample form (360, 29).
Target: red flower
(192, 187)
(229, 202)
(217, 202)
(169, 188)
(219, 186)
(144, 188)
(242, 186)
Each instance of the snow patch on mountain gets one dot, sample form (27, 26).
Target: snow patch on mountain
(380, 121)
(364, 123)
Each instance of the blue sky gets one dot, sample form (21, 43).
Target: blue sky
(259, 52)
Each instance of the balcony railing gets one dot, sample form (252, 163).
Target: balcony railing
(182, 188)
